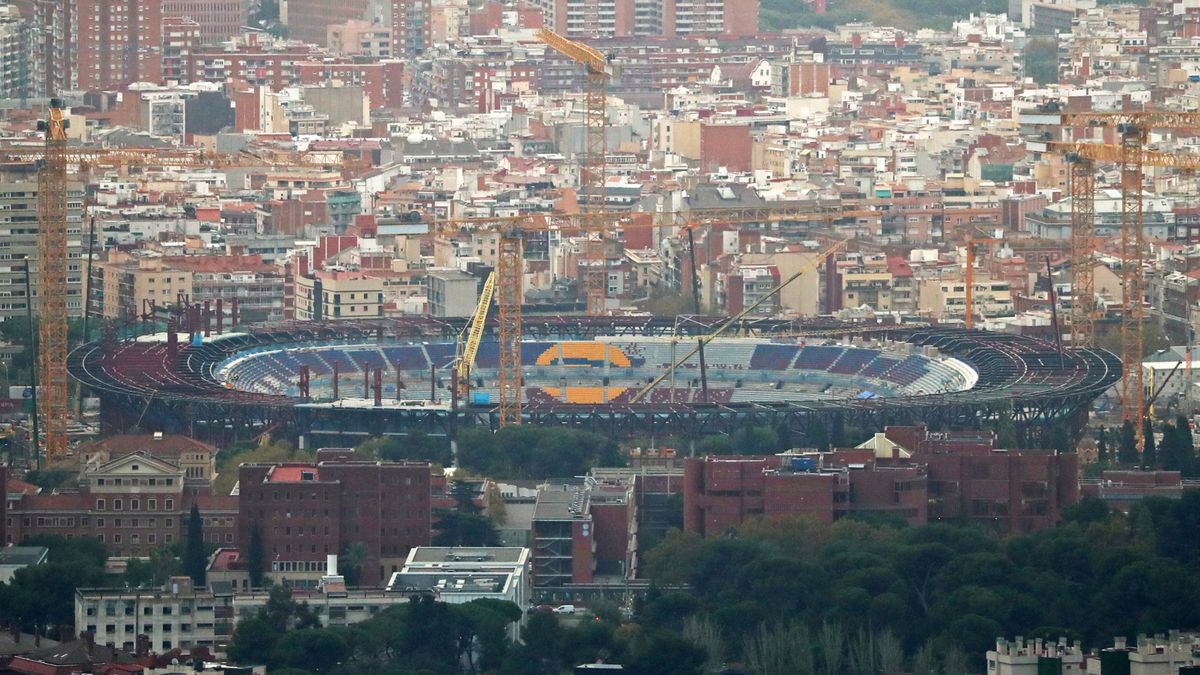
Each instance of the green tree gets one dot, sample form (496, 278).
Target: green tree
(351, 562)
(155, 571)
(1127, 451)
(316, 650)
(1041, 60)
(1149, 451)
(254, 557)
(1184, 451)
(195, 561)
(465, 529)
(254, 639)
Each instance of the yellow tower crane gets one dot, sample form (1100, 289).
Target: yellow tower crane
(593, 168)
(510, 275)
(473, 334)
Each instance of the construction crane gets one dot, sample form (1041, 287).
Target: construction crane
(510, 266)
(969, 301)
(1081, 159)
(1130, 153)
(55, 157)
(592, 170)
(807, 266)
(52, 284)
(473, 334)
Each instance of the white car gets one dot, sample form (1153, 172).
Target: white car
(564, 609)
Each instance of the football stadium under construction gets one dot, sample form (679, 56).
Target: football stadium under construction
(337, 382)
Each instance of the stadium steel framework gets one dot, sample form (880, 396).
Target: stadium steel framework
(154, 387)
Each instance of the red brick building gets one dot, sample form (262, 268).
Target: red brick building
(1007, 490)
(948, 476)
(116, 42)
(133, 504)
(251, 69)
(218, 20)
(721, 493)
(304, 512)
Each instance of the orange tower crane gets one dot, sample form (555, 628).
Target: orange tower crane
(969, 284)
(55, 157)
(510, 274)
(1133, 130)
(595, 157)
(52, 283)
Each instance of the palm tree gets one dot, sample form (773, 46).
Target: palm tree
(351, 561)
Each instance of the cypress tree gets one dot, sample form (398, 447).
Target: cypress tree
(1149, 451)
(195, 562)
(1127, 452)
(1102, 446)
(254, 558)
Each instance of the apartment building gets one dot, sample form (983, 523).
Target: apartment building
(667, 18)
(452, 293)
(16, 52)
(410, 21)
(126, 286)
(19, 240)
(305, 512)
(115, 42)
(336, 295)
(217, 20)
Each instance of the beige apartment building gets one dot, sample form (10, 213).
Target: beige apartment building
(338, 295)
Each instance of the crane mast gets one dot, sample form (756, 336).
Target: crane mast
(52, 283)
(593, 167)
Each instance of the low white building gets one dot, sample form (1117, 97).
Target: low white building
(458, 575)
(1025, 657)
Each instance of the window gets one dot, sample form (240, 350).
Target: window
(99, 504)
(135, 505)
(170, 503)
(116, 505)
(151, 504)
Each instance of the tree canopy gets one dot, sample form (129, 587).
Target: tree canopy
(528, 452)
(875, 589)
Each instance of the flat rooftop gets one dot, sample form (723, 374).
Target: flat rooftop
(561, 502)
(449, 582)
(466, 554)
(293, 474)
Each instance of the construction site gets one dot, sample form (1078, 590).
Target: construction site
(178, 364)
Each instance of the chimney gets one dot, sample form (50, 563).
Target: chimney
(1119, 643)
(856, 41)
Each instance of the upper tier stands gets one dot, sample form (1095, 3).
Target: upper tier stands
(845, 371)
